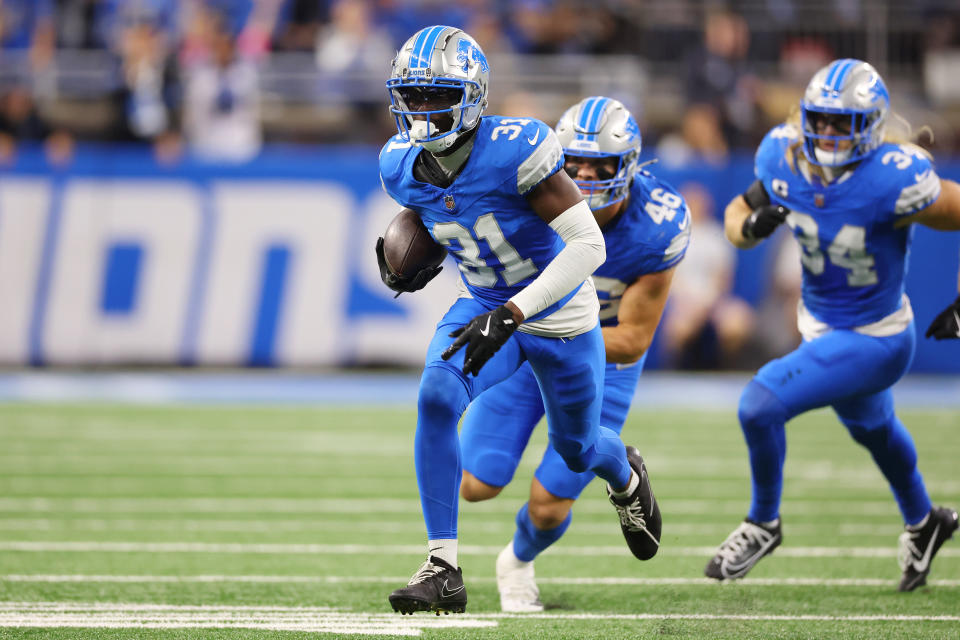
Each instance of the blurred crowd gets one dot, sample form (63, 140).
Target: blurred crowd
(189, 75)
(216, 79)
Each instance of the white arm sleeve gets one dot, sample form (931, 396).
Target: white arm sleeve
(585, 251)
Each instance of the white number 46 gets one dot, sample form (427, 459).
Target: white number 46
(664, 205)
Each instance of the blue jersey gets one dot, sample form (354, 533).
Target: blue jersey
(854, 260)
(651, 234)
(483, 218)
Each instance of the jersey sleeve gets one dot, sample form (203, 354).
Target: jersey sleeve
(917, 188)
(665, 243)
(771, 156)
(539, 157)
(677, 247)
(391, 164)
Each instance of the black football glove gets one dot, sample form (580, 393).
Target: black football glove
(484, 335)
(763, 221)
(399, 283)
(947, 323)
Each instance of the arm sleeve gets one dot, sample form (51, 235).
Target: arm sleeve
(585, 251)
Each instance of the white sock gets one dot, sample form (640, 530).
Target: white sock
(515, 562)
(631, 486)
(445, 549)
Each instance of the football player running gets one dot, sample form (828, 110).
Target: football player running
(646, 227)
(849, 193)
(491, 190)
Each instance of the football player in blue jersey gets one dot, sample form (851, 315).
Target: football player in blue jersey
(646, 227)
(492, 190)
(850, 191)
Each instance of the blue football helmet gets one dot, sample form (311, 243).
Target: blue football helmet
(438, 87)
(595, 128)
(850, 95)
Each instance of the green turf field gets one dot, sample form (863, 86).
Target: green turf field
(120, 522)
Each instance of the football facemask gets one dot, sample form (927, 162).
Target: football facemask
(843, 113)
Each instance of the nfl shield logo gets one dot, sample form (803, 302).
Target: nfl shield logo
(818, 199)
(449, 203)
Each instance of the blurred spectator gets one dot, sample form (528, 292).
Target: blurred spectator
(706, 325)
(700, 139)
(299, 22)
(564, 26)
(77, 24)
(403, 18)
(718, 75)
(221, 108)
(350, 50)
(114, 19)
(148, 83)
(352, 42)
(21, 122)
(27, 28)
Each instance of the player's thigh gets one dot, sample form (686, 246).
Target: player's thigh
(497, 427)
(503, 363)
(868, 410)
(570, 373)
(836, 366)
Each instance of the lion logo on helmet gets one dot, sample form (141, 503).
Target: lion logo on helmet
(468, 55)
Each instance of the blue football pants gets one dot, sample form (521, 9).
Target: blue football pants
(500, 421)
(853, 374)
(569, 372)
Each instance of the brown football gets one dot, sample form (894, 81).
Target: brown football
(409, 247)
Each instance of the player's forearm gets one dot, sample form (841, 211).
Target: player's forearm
(585, 251)
(736, 212)
(626, 345)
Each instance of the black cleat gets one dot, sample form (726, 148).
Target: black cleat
(917, 548)
(742, 549)
(436, 586)
(639, 513)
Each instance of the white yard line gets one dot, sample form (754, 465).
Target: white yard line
(414, 549)
(411, 506)
(325, 620)
(395, 526)
(280, 579)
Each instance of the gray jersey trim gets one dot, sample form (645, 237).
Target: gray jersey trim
(540, 163)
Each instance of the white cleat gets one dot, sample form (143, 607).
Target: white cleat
(517, 584)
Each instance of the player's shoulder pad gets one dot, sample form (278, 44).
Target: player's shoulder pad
(903, 177)
(526, 147)
(392, 158)
(771, 156)
(665, 212)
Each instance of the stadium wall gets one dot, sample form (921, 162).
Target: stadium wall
(117, 259)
